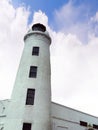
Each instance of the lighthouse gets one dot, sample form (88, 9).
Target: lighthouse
(30, 106)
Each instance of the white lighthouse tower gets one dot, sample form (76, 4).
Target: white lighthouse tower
(30, 104)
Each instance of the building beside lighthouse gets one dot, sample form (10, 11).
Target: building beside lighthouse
(30, 106)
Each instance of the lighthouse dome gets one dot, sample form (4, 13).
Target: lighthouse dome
(39, 29)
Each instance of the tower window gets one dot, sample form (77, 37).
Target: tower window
(26, 126)
(30, 96)
(33, 71)
(82, 123)
(35, 51)
(95, 126)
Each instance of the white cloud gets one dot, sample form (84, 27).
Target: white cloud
(40, 17)
(76, 20)
(74, 65)
(13, 25)
(95, 18)
(67, 14)
(94, 24)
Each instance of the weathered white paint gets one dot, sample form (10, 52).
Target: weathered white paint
(39, 113)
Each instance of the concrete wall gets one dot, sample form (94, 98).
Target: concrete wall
(3, 107)
(64, 118)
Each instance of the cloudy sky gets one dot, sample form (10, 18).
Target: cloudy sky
(73, 26)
